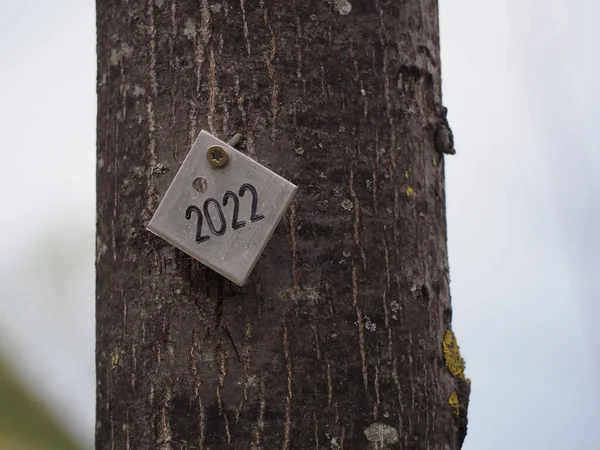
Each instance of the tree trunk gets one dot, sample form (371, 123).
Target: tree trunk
(341, 338)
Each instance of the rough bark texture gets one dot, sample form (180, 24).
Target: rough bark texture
(337, 340)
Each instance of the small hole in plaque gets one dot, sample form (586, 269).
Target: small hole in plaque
(200, 184)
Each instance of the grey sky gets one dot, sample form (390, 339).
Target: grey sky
(520, 82)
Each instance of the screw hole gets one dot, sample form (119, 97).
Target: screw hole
(200, 184)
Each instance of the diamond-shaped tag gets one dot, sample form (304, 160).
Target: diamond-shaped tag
(222, 212)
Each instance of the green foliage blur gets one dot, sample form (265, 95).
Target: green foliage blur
(24, 423)
(56, 310)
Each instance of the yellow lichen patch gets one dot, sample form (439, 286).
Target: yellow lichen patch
(406, 174)
(454, 362)
(409, 191)
(453, 402)
(115, 361)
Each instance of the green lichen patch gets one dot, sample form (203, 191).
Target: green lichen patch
(454, 362)
(454, 403)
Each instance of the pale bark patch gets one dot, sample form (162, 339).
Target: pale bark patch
(342, 6)
(380, 435)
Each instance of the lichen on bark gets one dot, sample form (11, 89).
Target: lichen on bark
(452, 356)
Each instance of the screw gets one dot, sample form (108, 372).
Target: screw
(217, 156)
(235, 139)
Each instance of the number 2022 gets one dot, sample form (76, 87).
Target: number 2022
(235, 224)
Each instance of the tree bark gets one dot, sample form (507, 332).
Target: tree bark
(341, 339)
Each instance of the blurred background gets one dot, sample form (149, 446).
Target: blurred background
(521, 85)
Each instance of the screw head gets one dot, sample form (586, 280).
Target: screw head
(217, 156)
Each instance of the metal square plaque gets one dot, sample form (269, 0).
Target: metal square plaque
(222, 208)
